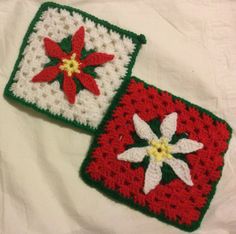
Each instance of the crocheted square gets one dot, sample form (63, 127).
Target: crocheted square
(159, 154)
(71, 64)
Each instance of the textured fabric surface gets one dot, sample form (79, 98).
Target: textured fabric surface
(191, 52)
(179, 193)
(97, 50)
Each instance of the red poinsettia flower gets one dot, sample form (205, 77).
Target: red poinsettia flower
(71, 65)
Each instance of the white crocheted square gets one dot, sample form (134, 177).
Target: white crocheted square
(58, 22)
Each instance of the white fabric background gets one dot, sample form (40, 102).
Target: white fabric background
(191, 52)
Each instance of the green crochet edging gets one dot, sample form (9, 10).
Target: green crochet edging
(137, 39)
(114, 195)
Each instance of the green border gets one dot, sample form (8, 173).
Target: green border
(137, 39)
(118, 197)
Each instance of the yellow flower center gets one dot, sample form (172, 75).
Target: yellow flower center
(159, 149)
(70, 65)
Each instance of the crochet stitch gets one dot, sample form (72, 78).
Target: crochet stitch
(88, 96)
(178, 194)
(72, 65)
(160, 151)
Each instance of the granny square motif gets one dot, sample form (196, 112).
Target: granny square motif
(159, 154)
(71, 64)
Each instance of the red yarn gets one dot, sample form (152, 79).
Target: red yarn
(95, 59)
(88, 82)
(177, 201)
(53, 49)
(78, 41)
(47, 74)
(69, 88)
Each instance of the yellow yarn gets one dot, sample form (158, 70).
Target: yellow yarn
(70, 65)
(159, 149)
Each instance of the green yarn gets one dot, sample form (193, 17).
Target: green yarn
(142, 39)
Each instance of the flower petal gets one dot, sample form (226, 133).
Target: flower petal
(78, 41)
(152, 176)
(88, 82)
(53, 49)
(47, 74)
(95, 59)
(169, 125)
(142, 129)
(181, 169)
(69, 88)
(135, 154)
(186, 146)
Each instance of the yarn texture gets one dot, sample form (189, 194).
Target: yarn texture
(81, 99)
(159, 154)
(72, 66)
(160, 151)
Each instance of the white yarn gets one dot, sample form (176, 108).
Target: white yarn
(59, 24)
(186, 146)
(135, 154)
(143, 129)
(153, 176)
(181, 169)
(169, 125)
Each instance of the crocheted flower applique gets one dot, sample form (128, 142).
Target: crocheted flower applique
(71, 65)
(160, 151)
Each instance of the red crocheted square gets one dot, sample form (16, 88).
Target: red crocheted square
(158, 154)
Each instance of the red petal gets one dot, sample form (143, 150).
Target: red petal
(97, 59)
(53, 49)
(69, 88)
(47, 74)
(78, 41)
(88, 82)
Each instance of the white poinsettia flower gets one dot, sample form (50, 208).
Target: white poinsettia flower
(160, 151)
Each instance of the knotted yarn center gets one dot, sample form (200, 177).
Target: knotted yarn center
(70, 65)
(159, 149)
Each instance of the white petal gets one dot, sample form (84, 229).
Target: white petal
(169, 125)
(142, 129)
(135, 154)
(186, 146)
(152, 176)
(181, 169)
